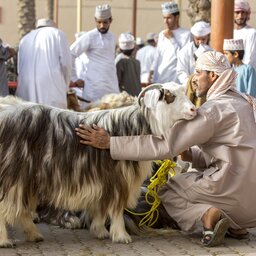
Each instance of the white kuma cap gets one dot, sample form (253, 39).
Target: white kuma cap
(233, 45)
(169, 8)
(126, 41)
(45, 23)
(103, 12)
(200, 28)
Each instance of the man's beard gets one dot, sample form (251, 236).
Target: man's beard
(241, 22)
(103, 30)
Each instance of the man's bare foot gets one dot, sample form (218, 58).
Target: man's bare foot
(211, 217)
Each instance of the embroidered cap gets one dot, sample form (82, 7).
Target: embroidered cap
(233, 44)
(103, 12)
(201, 28)
(169, 8)
(126, 41)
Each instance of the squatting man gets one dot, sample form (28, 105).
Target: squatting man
(220, 142)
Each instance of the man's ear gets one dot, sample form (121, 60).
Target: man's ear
(213, 76)
(235, 54)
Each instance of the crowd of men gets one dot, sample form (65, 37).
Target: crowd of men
(98, 64)
(220, 142)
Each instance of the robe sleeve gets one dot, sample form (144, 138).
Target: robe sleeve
(65, 57)
(178, 138)
(80, 46)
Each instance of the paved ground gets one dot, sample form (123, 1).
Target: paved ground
(60, 242)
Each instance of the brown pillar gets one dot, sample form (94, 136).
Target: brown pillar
(222, 22)
(56, 11)
(134, 17)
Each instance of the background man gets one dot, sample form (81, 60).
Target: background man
(245, 32)
(5, 54)
(44, 65)
(246, 74)
(99, 46)
(186, 58)
(128, 68)
(145, 56)
(170, 41)
(218, 195)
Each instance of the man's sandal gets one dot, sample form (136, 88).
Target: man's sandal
(216, 236)
(233, 234)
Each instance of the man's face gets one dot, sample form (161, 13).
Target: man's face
(240, 18)
(201, 40)
(229, 56)
(202, 82)
(171, 21)
(103, 25)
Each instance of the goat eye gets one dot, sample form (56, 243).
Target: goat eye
(169, 97)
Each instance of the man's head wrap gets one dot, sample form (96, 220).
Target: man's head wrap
(217, 63)
(213, 61)
(242, 5)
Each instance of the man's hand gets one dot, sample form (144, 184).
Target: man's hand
(78, 83)
(93, 136)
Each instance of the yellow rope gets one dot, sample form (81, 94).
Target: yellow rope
(159, 179)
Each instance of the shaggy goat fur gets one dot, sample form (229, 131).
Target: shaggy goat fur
(43, 161)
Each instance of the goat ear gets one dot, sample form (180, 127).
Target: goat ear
(151, 98)
(169, 97)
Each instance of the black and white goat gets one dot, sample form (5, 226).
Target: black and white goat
(42, 160)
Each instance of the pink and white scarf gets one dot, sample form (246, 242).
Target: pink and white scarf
(218, 63)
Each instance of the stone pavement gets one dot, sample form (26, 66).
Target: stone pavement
(65, 242)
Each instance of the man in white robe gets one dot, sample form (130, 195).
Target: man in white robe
(99, 46)
(44, 65)
(186, 57)
(220, 195)
(243, 31)
(170, 41)
(145, 56)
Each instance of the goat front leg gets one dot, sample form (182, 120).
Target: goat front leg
(117, 229)
(98, 225)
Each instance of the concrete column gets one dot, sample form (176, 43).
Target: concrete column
(222, 22)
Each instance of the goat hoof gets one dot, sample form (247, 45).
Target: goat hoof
(7, 244)
(122, 238)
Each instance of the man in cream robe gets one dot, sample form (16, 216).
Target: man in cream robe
(224, 131)
(44, 65)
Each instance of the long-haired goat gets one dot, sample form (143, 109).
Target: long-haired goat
(42, 160)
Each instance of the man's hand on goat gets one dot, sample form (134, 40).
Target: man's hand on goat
(94, 136)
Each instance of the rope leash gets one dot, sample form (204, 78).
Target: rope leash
(156, 182)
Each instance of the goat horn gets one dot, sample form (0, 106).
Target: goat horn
(150, 87)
